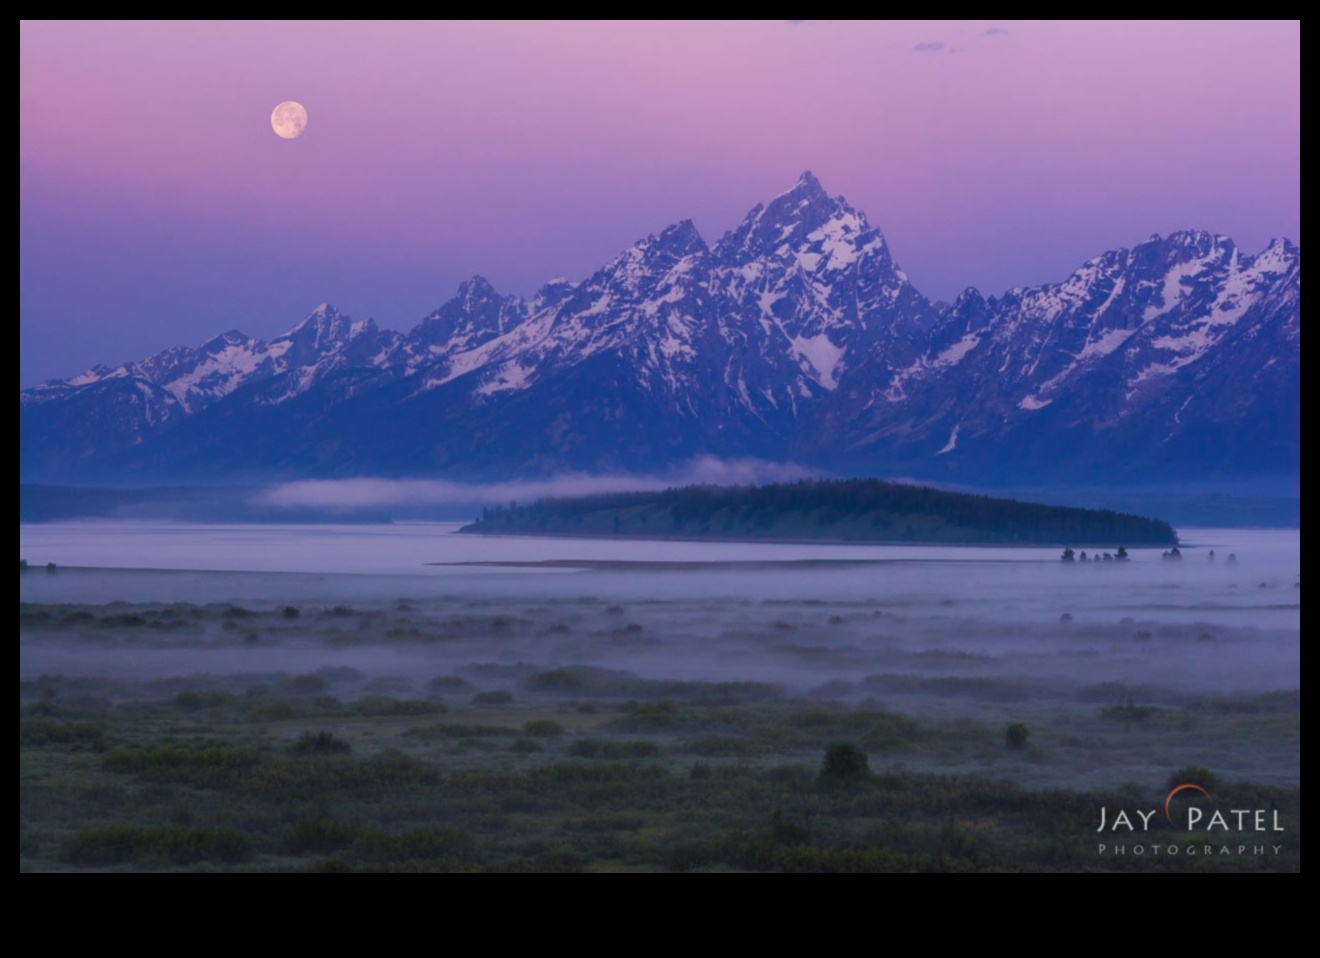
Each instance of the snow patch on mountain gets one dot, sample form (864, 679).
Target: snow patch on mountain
(955, 353)
(213, 379)
(1175, 287)
(95, 375)
(507, 378)
(822, 356)
(1105, 343)
(952, 444)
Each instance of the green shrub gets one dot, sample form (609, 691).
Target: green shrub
(309, 684)
(331, 866)
(844, 764)
(54, 732)
(786, 831)
(118, 844)
(376, 705)
(122, 620)
(612, 751)
(649, 715)
(1194, 775)
(321, 743)
(712, 746)
(273, 712)
(1131, 713)
(458, 730)
(1016, 734)
(543, 727)
(193, 700)
(605, 824)
(418, 844)
(319, 834)
(214, 766)
(448, 683)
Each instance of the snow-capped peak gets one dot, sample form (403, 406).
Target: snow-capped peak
(806, 187)
(796, 332)
(803, 216)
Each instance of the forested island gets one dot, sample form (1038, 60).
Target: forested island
(849, 510)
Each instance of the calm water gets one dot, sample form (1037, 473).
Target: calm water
(388, 562)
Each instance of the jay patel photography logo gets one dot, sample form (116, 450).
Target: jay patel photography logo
(1193, 830)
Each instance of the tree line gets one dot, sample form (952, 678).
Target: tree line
(864, 510)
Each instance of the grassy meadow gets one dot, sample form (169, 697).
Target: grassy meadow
(458, 742)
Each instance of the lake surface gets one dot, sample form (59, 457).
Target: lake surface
(271, 562)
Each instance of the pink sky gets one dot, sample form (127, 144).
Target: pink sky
(157, 207)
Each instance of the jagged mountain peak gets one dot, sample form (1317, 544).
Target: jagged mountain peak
(476, 289)
(475, 300)
(323, 329)
(807, 188)
(322, 313)
(682, 239)
(805, 217)
(632, 273)
(1279, 256)
(475, 314)
(971, 296)
(1200, 244)
(323, 316)
(553, 293)
(215, 345)
(673, 242)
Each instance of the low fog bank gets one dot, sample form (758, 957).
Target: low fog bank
(1121, 671)
(1272, 503)
(979, 631)
(369, 499)
(407, 495)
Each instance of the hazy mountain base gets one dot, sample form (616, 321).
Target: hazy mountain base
(1276, 505)
(182, 740)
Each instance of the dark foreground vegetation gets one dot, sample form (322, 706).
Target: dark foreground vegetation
(515, 767)
(854, 510)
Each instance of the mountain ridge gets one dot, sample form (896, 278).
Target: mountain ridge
(795, 336)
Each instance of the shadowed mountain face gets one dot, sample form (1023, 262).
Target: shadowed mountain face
(795, 337)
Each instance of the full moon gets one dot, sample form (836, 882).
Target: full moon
(288, 119)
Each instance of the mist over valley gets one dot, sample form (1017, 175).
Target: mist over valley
(681, 658)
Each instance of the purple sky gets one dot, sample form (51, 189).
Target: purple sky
(157, 207)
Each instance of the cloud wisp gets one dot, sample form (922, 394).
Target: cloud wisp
(374, 493)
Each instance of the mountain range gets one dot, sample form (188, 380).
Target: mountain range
(794, 338)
